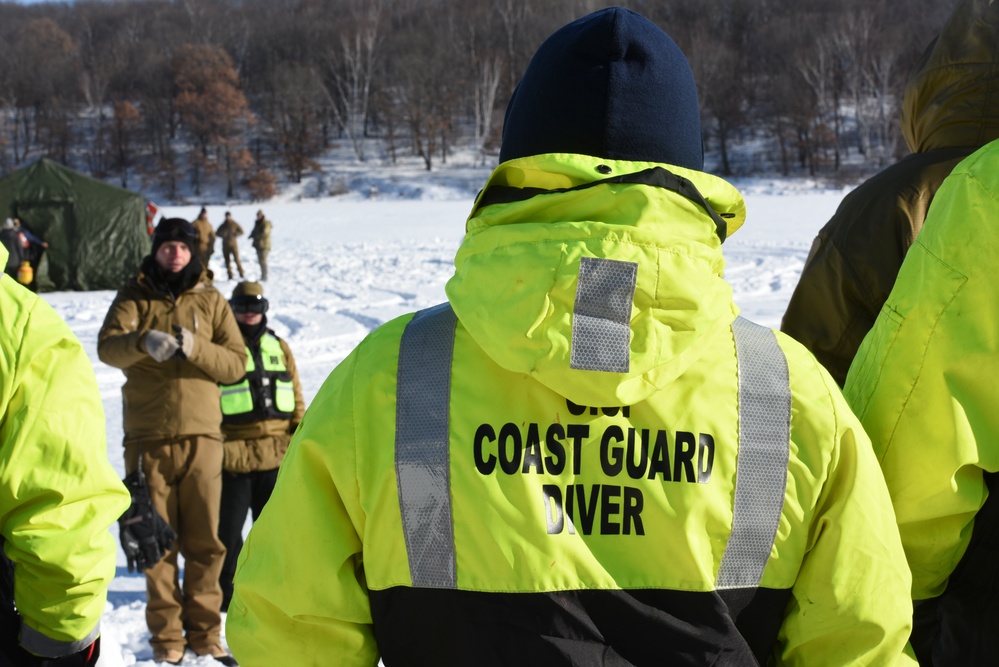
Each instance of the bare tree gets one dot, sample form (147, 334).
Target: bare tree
(212, 106)
(45, 85)
(293, 120)
(352, 69)
(484, 92)
(806, 81)
(126, 120)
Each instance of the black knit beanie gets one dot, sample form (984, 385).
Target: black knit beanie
(612, 85)
(174, 229)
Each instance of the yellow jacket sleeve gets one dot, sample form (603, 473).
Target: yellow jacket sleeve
(840, 613)
(921, 380)
(310, 524)
(58, 493)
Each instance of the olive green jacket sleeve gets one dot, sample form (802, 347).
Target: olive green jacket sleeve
(58, 493)
(854, 259)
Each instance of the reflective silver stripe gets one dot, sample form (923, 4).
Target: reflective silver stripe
(236, 390)
(601, 318)
(39, 644)
(764, 444)
(422, 463)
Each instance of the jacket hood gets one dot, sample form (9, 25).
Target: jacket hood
(539, 219)
(611, 84)
(950, 99)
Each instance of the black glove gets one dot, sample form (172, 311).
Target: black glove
(185, 342)
(18, 657)
(145, 535)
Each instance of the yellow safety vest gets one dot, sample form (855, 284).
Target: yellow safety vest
(266, 391)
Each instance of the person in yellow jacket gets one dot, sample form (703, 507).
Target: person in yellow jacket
(58, 492)
(174, 337)
(948, 112)
(922, 386)
(584, 456)
(260, 411)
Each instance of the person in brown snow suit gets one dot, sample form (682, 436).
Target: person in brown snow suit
(175, 338)
(206, 238)
(229, 231)
(260, 236)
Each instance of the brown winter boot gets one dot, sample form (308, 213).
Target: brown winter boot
(171, 656)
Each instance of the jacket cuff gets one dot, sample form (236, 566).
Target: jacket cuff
(35, 642)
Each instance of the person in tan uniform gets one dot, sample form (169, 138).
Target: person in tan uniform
(175, 338)
(260, 237)
(229, 231)
(259, 414)
(948, 112)
(206, 237)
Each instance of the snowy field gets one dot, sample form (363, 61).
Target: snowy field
(341, 266)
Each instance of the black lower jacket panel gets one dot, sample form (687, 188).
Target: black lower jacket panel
(608, 628)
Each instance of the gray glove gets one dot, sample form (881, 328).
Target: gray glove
(160, 345)
(185, 341)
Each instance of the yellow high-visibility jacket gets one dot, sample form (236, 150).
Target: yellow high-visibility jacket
(58, 493)
(548, 476)
(922, 386)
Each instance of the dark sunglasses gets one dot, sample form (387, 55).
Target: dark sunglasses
(249, 305)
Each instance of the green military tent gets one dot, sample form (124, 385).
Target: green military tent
(97, 233)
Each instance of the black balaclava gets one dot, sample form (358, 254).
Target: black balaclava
(611, 85)
(253, 332)
(173, 282)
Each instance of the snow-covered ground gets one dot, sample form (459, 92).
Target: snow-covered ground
(341, 266)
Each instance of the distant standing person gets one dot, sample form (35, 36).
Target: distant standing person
(206, 237)
(12, 243)
(259, 414)
(32, 250)
(261, 239)
(229, 231)
(175, 338)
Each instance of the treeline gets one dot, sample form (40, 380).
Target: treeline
(246, 90)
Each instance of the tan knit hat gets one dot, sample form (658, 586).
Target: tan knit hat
(248, 289)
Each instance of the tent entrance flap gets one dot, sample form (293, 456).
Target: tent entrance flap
(54, 223)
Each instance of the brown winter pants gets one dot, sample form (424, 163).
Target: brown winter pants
(184, 476)
(232, 252)
(262, 259)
